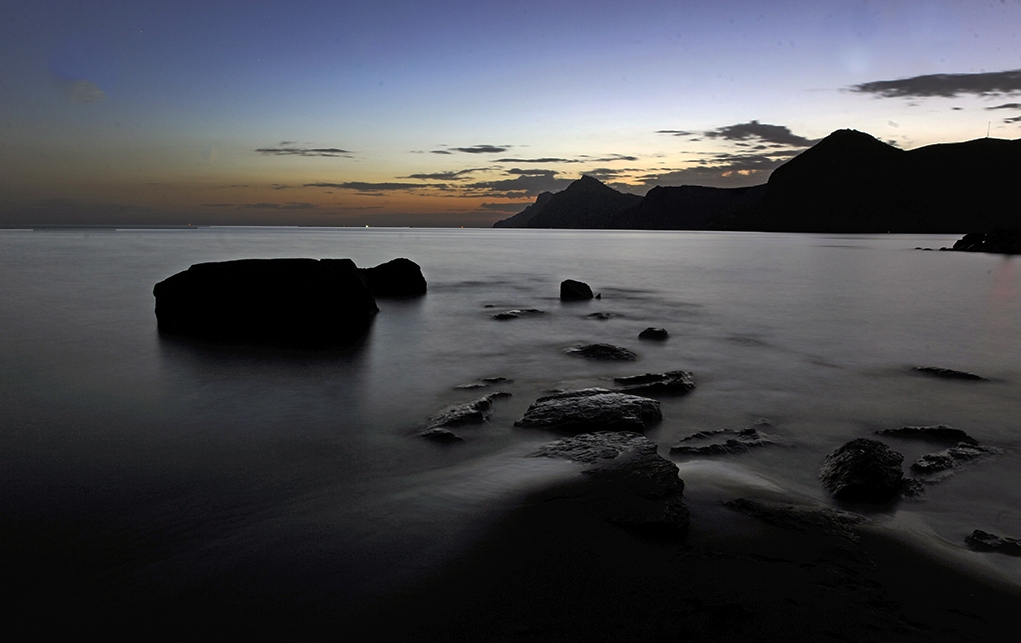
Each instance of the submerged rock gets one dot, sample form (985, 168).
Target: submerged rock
(571, 290)
(594, 409)
(937, 433)
(725, 441)
(802, 518)
(951, 458)
(601, 316)
(474, 412)
(863, 470)
(485, 382)
(657, 334)
(397, 278)
(983, 541)
(441, 435)
(286, 301)
(948, 374)
(517, 313)
(634, 487)
(669, 383)
(602, 352)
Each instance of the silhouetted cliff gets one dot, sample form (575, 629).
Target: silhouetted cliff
(586, 203)
(847, 182)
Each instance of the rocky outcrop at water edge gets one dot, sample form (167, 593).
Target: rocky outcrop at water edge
(863, 470)
(632, 485)
(593, 409)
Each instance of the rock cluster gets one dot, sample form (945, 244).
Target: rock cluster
(593, 409)
(281, 301)
(863, 470)
(633, 486)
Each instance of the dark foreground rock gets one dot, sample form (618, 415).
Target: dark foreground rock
(594, 409)
(287, 301)
(635, 487)
(999, 241)
(951, 458)
(669, 383)
(602, 352)
(517, 313)
(397, 278)
(983, 541)
(656, 334)
(441, 435)
(939, 433)
(725, 441)
(863, 470)
(802, 518)
(948, 374)
(571, 290)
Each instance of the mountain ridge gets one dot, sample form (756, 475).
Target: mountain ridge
(848, 181)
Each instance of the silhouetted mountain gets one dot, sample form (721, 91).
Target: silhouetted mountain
(847, 182)
(521, 219)
(688, 207)
(851, 182)
(586, 203)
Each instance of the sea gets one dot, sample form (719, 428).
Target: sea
(142, 470)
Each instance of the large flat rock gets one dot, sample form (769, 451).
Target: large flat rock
(287, 301)
(592, 409)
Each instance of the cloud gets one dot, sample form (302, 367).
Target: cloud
(1016, 119)
(304, 151)
(361, 186)
(505, 207)
(674, 132)
(945, 85)
(443, 176)
(777, 134)
(724, 170)
(476, 149)
(1006, 106)
(522, 185)
(293, 205)
(581, 159)
(545, 159)
(532, 172)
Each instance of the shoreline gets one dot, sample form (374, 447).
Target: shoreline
(553, 571)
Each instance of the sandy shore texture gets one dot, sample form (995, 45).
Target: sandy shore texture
(554, 570)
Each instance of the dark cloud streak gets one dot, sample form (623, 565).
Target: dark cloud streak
(945, 85)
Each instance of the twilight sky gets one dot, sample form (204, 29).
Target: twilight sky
(459, 113)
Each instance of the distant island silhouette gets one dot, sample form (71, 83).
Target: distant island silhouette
(847, 182)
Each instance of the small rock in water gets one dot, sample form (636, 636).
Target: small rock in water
(517, 313)
(669, 383)
(474, 412)
(863, 470)
(571, 290)
(951, 458)
(948, 374)
(591, 409)
(397, 278)
(658, 334)
(485, 382)
(937, 433)
(439, 434)
(602, 352)
(724, 441)
(602, 316)
(802, 518)
(983, 541)
(633, 486)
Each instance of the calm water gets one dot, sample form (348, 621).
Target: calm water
(140, 469)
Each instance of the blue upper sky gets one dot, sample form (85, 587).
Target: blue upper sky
(459, 113)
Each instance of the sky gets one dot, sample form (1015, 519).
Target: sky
(460, 113)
